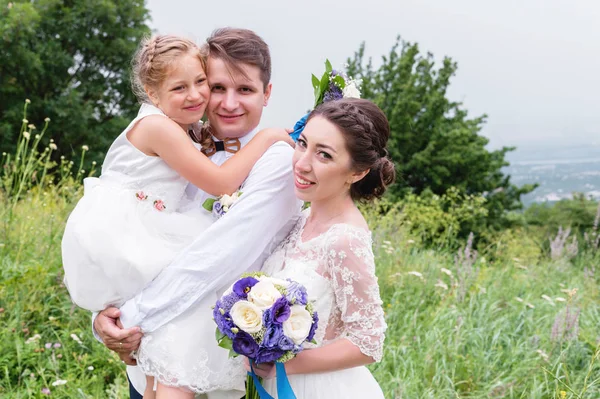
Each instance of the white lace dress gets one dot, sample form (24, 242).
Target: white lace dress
(130, 224)
(338, 270)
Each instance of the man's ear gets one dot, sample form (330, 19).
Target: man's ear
(267, 94)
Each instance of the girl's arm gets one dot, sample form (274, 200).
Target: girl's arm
(160, 136)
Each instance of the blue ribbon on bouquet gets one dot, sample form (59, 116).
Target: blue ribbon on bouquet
(284, 389)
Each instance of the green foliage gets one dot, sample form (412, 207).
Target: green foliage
(434, 144)
(578, 213)
(71, 59)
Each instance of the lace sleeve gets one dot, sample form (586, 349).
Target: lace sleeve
(352, 271)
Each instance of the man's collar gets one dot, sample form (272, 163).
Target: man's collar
(245, 139)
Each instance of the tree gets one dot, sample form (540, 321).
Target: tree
(71, 59)
(433, 143)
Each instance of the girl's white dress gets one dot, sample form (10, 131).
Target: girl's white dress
(338, 270)
(129, 225)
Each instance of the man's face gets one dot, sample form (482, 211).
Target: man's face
(236, 102)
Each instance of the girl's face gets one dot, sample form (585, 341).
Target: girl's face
(184, 94)
(322, 163)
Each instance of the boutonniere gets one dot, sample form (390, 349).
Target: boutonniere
(220, 206)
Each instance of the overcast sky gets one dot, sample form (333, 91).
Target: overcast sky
(533, 66)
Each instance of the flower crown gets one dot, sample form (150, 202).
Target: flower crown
(333, 85)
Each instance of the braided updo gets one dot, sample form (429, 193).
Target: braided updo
(366, 132)
(153, 59)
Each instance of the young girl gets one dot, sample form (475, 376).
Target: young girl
(340, 158)
(134, 218)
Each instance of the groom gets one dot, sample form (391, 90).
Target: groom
(239, 74)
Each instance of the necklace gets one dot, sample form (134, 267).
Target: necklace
(306, 234)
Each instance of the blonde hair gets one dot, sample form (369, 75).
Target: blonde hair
(153, 59)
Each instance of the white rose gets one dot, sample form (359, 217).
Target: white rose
(351, 90)
(247, 316)
(263, 294)
(274, 281)
(298, 325)
(226, 200)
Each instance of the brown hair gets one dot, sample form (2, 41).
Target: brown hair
(366, 131)
(241, 46)
(153, 59)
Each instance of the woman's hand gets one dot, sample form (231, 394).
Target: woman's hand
(263, 370)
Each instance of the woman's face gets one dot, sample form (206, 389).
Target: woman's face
(184, 94)
(322, 163)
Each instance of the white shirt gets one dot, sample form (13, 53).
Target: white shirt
(239, 241)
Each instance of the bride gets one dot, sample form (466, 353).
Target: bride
(340, 158)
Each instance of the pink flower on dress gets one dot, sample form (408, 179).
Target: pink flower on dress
(159, 205)
(141, 196)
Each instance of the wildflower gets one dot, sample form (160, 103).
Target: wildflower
(518, 299)
(26, 135)
(45, 391)
(560, 299)
(530, 306)
(563, 394)
(566, 325)
(441, 284)
(411, 241)
(62, 157)
(85, 148)
(31, 126)
(57, 345)
(33, 339)
(47, 120)
(547, 298)
(91, 368)
(27, 101)
(446, 271)
(3, 154)
(48, 345)
(53, 146)
(387, 242)
(59, 382)
(419, 275)
(93, 163)
(59, 356)
(76, 339)
(543, 354)
(25, 121)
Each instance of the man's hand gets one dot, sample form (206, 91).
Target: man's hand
(115, 337)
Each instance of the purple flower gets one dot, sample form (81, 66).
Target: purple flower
(313, 328)
(296, 294)
(48, 345)
(285, 343)
(267, 319)
(242, 287)
(266, 355)
(244, 344)
(45, 391)
(272, 336)
(227, 302)
(224, 322)
(280, 310)
(333, 93)
(297, 349)
(218, 209)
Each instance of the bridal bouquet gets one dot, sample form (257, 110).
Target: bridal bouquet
(265, 319)
(333, 85)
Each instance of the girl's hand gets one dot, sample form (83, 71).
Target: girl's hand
(278, 134)
(263, 370)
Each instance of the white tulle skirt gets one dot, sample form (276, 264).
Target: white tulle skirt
(354, 383)
(114, 244)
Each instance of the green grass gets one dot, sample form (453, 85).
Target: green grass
(490, 345)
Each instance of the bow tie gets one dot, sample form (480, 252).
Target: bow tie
(228, 145)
